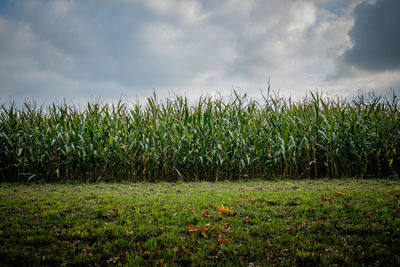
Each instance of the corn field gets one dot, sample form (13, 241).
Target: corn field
(212, 139)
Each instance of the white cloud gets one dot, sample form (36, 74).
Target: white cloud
(303, 16)
(60, 8)
(84, 49)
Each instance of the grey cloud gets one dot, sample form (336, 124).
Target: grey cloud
(93, 42)
(375, 36)
(84, 49)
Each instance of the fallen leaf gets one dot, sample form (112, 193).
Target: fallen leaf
(113, 260)
(206, 214)
(369, 213)
(326, 198)
(222, 239)
(247, 219)
(147, 253)
(223, 210)
(339, 193)
(202, 229)
(190, 228)
(204, 234)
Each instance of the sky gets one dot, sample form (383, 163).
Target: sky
(87, 50)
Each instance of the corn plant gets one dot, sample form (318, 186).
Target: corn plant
(211, 139)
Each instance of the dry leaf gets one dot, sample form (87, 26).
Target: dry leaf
(190, 228)
(206, 214)
(247, 219)
(339, 193)
(113, 260)
(147, 253)
(369, 213)
(222, 239)
(202, 229)
(223, 210)
(326, 198)
(205, 234)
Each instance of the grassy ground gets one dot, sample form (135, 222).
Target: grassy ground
(303, 222)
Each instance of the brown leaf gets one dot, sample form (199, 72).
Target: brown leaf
(206, 214)
(223, 210)
(205, 234)
(326, 198)
(339, 193)
(190, 228)
(202, 229)
(147, 253)
(222, 239)
(369, 213)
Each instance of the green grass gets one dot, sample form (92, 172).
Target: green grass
(306, 222)
(212, 139)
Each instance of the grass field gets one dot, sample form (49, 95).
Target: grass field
(344, 222)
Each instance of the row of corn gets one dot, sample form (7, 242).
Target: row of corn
(210, 139)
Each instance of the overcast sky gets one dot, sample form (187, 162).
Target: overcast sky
(83, 50)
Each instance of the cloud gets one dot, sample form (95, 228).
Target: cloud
(81, 50)
(369, 61)
(375, 36)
